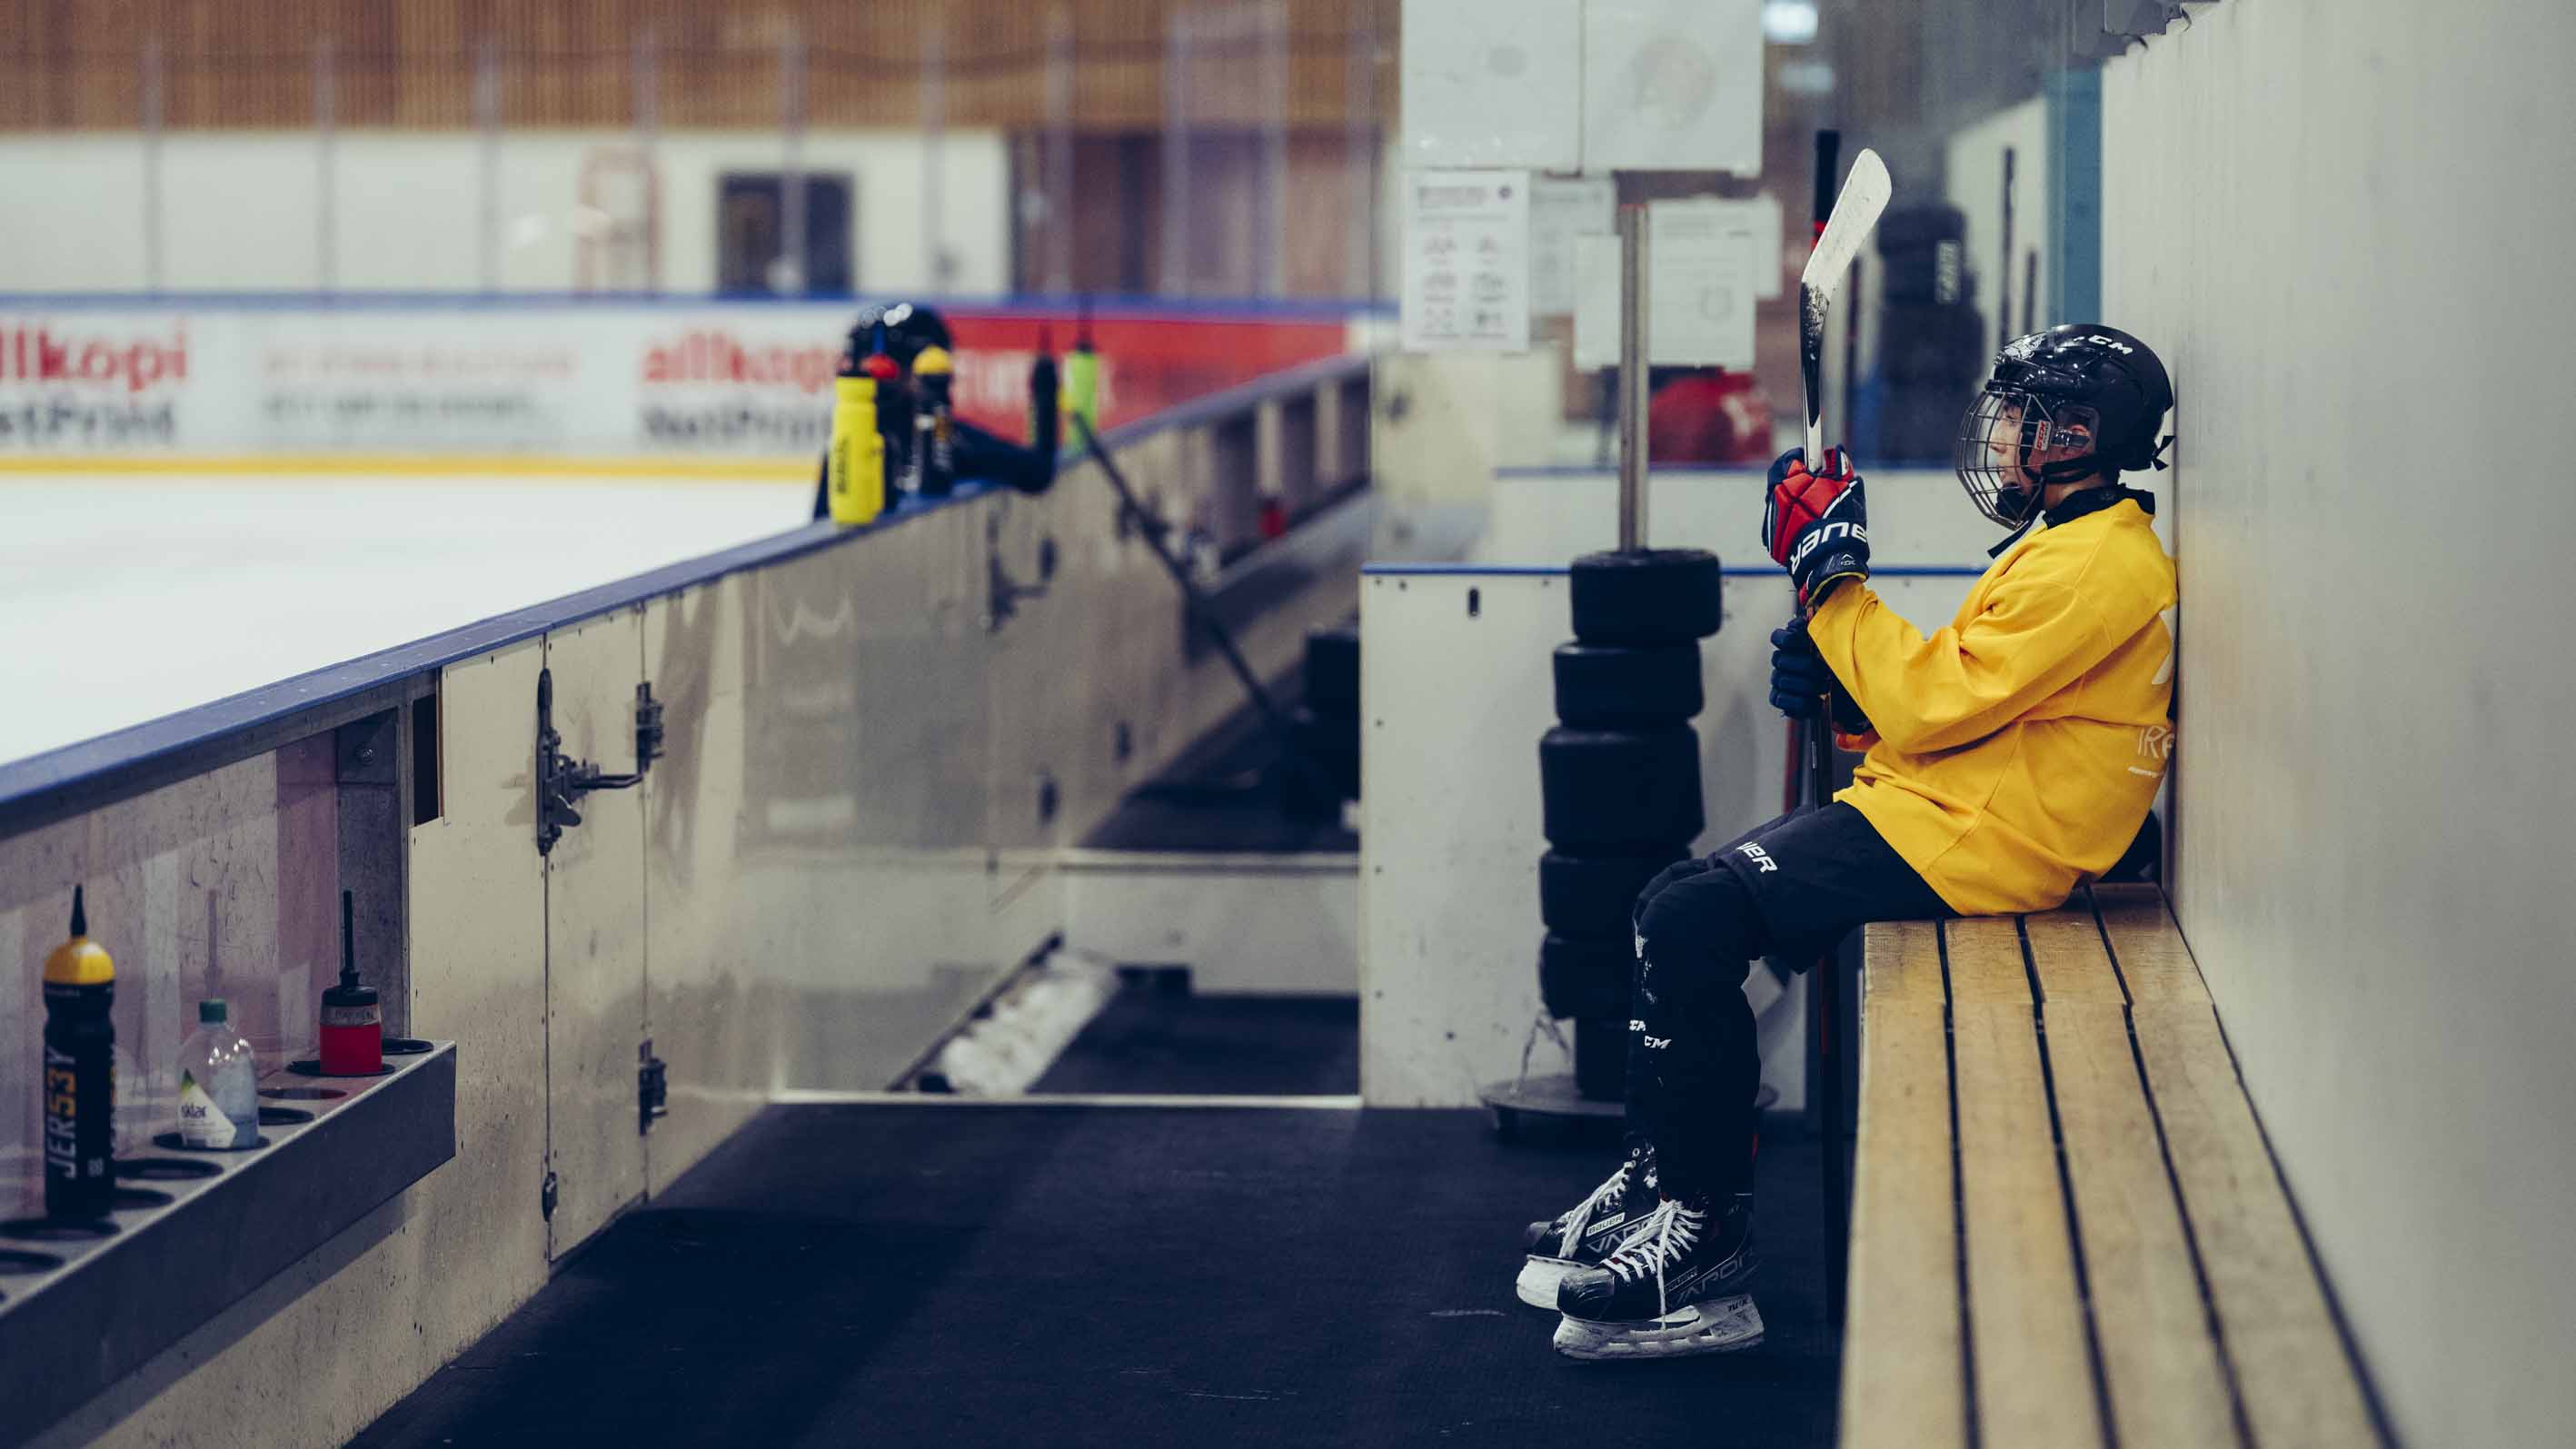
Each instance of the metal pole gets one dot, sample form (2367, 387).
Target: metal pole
(1633, 361)
(487, 126)
(2003, 260)
(1176, 156)
(648, 144)
(1058, 186)
(788, 275)
(934, 124)
(154, 98)
(1270, 240)
(1359, 147)
(326, 203)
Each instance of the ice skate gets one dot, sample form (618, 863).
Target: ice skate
(1674, 1287)
(1586, 1233)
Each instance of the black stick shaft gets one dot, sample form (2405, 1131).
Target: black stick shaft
(1195, 605)
(1826, 1003)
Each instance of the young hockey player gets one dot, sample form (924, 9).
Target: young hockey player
(2010, 757)
(901, 330)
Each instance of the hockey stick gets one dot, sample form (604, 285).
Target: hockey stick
(1864, 196)
(1855, 214)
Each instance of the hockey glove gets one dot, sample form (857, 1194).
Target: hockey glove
(1816, 525)
(1800, 677)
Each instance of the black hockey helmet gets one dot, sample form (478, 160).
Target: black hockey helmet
(902, 329)
(2065, 404)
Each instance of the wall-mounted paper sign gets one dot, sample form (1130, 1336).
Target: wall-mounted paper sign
(1489, 84)
(1466, 261)
(1701, 258)
(1561, 209)
(1669, 85)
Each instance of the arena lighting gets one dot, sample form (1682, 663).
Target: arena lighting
(1789, 22)
(1807, 78)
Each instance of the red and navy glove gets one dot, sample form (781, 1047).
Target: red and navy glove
(1816, 525)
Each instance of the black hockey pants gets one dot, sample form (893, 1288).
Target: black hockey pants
(1789, 889)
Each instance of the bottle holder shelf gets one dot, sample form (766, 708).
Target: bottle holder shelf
(194, 1231)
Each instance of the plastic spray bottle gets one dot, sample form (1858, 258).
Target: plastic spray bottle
(1082, 375)
(935, 433)
(79, 1080)
(854, 470)
(218, 1083)
(353, 1019)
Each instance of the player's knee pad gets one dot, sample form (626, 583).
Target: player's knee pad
(1699, 934)
(1679, 870)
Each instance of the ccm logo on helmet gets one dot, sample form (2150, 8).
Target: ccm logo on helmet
(2113, 343)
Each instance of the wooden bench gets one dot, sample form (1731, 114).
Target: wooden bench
(2067, 1229)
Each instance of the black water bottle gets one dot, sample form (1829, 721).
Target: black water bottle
(80, 1075)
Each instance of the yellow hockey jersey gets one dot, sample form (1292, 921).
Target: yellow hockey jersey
(2016, 751)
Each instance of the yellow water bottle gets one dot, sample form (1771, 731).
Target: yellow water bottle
(1082, 381)
(854, 469)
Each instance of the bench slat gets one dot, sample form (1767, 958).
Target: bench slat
(1904, 963)
(2298, 1385)
(1904, 1384)
(2153, 959)
(2166, 1384)
(2066, 951)
(2034, 1377)
(1985, 961)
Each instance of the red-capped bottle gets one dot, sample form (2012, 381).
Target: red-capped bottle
(353, 1019)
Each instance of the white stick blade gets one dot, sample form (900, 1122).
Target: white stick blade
(1856, 211)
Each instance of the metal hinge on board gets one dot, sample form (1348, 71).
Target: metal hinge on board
(546, 1198)
(561, 780)
(652, 1087)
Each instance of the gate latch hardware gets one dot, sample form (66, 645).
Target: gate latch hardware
(1002, 593)
(562, 780)
(652, 1087)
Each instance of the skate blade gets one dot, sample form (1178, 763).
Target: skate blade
(1718, 1325)
(1539, 1276)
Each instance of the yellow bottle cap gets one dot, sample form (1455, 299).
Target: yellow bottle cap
(931, 360)
(79, 961)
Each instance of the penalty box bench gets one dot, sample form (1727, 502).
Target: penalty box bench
(2067, 1228)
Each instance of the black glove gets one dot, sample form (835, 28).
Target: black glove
(1800, 677)
(1816, 525)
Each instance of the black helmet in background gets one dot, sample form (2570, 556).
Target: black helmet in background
(2062, 405)
(901, 329)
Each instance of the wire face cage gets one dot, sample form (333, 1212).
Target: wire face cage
(2013, 442)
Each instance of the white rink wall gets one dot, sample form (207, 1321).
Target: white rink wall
(242, 209)
(2345, 226)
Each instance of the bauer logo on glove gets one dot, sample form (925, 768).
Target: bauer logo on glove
(1816, 525)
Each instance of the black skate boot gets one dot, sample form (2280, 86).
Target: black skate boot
(1674, 1287)
(1584, 1234)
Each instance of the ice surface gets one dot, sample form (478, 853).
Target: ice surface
(127, 597)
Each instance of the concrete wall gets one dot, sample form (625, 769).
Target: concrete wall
(241, 210)
(2345, 226)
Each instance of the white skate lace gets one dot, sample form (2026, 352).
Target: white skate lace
(1577, 1220)
(1667, 1234)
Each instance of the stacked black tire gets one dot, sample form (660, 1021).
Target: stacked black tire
(1327, 726)
(1933, 343)
(1619, 783)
